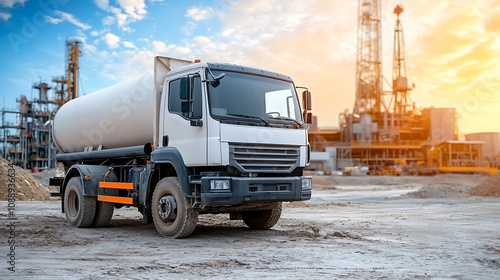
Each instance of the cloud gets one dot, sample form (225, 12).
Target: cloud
(124, 13)
(111, 40)
(200, 13)
(89, 48)
(203, 41)
(62, 16)
(102, 4)
(96, 33)
(11, 3)
(456, 56)
(188, 28)
(129, 45)
(52, 20)
(5, 16)
(159, 46)
(136, 9)
(196, 14)
(108, 20)
(492, 21)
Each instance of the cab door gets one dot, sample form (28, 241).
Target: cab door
(187, 132)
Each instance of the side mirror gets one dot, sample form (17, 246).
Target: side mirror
(308, 116)
(307, 103)
(306, 100)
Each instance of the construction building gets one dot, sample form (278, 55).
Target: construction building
(385, 131)
(26, 131)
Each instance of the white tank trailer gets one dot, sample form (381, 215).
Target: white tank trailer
(118, 116)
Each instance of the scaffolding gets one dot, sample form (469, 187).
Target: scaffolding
(28, 141)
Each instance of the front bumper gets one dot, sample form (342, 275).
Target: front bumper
(254, 189)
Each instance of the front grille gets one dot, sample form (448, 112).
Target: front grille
(269, 187)
(254, 158)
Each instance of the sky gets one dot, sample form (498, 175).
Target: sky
(452, 47)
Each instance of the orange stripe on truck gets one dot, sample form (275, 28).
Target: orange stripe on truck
(115, 199)
(116, 185)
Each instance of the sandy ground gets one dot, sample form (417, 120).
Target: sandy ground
(352, 228)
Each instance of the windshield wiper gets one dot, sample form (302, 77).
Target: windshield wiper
(287, 119)
(252, 117)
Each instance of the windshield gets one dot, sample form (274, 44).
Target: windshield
(253, 99)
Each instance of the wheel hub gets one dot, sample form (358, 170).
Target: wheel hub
(167, 207)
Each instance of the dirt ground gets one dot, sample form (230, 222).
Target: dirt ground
(352, 228)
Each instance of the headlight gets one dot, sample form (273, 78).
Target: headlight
(219, 185)
(306, 183)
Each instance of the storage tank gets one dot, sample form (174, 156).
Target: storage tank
(441, 124)
(491, 140)
(118, 116)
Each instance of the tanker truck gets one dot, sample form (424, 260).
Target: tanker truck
(190, 138)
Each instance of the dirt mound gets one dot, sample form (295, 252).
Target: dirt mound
(489, 187)
(27, 187)
(440, 191)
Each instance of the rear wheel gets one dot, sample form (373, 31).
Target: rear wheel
(172, 213)
(79, 209)
(262, 219)
(104, 213)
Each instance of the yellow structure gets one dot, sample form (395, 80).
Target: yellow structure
(68, 86)
(459, 157)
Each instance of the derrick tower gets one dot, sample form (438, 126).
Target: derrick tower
(67, 87)
(368, 59)
(400, 100)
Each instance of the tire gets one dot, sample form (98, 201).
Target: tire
(262, 219)
(79, 209)
(172, 213)
(104, 213)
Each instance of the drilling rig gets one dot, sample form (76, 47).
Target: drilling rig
(377, 133)
(67, 86)
(368, 60)
(400, 100)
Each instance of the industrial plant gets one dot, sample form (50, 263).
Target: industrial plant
(26, 131)
(385, 133)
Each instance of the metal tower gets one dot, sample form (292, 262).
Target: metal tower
(68, 86)
(368, 59)
(400, 100)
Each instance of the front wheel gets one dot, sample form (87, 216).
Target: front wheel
(172, 213)
(262, 219)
